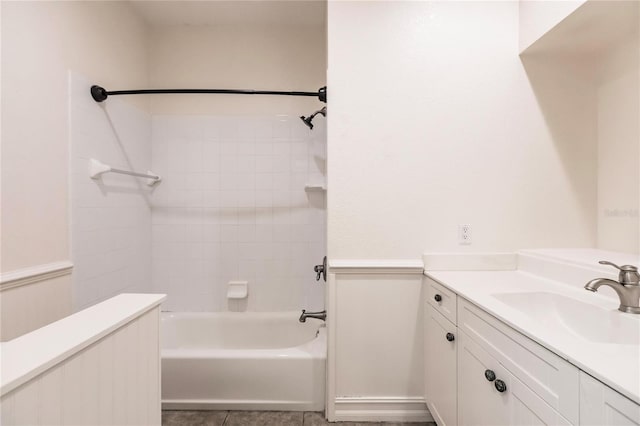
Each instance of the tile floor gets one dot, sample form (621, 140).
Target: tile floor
(259, 418)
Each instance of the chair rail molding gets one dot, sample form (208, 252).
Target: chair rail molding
(376, 266)
(34, 274)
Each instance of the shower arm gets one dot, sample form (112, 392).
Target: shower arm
(100, 94)
(322, 112)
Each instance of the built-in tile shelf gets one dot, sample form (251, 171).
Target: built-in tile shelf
(315, 187)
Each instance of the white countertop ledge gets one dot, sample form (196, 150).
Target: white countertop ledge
(616, 365)
(27, 356)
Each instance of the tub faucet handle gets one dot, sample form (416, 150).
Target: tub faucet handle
(321, 270)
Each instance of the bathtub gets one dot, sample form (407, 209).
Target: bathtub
(242, 361)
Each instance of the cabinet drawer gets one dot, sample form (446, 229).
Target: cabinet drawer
(552, 378)
(442, 299)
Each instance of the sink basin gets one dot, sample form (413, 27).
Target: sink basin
(584, 320)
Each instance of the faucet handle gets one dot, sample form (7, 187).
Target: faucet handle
(624, 268)
(628, 273)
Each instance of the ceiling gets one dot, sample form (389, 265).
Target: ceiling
(214, 12)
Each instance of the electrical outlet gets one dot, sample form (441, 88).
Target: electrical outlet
(464, 234)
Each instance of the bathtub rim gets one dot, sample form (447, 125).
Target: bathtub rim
(314, 349)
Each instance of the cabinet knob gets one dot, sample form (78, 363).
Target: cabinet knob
(500, 386)
(437, 298)
(490, 375)
(450, 337)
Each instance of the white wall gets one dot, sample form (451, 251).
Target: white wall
(110, 216)
(240, 56)
(233, 207)
(538, 17)
(41, 42)
(435, 122)
(618, 91)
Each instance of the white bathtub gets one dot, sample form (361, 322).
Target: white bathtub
(242, 361)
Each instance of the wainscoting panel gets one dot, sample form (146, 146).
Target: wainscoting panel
(33, 297)
(114, 380)
(375, 348)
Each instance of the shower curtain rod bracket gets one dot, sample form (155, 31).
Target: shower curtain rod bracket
(100, 94)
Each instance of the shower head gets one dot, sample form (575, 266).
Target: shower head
(309, 119)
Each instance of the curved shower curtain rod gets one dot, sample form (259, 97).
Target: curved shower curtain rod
(100, 94)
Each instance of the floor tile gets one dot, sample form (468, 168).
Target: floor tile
(264, 418)
(193, 418)
(312, 418)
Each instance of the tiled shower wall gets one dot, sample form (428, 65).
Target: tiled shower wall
(110, 217)
(233, 206)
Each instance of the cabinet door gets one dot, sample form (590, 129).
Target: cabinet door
(479, 403)
(602, 406)
(528, 408)
(440, 367)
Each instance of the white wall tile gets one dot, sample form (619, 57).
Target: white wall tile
(235, 208)
(111, 217)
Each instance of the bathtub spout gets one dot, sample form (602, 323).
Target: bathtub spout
(317, 315)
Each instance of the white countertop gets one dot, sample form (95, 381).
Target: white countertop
(617, 365)
(29, 355)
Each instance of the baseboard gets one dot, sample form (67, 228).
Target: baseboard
(390, 409)
(239, 404)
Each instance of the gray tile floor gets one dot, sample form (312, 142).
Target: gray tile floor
(259, 418)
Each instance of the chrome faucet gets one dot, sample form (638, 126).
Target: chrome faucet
(627, 287)
(317, 315)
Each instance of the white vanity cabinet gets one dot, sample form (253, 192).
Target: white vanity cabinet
(480, 371)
